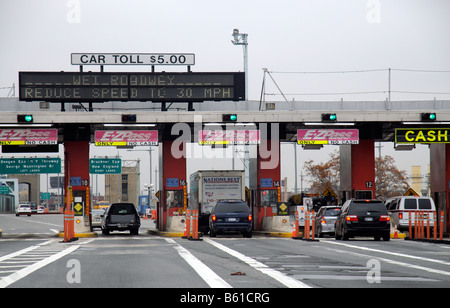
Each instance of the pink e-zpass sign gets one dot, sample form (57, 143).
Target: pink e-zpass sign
(28, 136)
(328, 136)
(126, 137)
(209, 137)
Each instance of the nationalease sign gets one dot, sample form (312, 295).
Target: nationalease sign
(126, 137)
(154, 87)
(327, 136)
(422, 135)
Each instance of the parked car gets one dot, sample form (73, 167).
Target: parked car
(363, 218)
(325, 219)
(41, 209)
(401, 208)
(230, 215)
(121, 217)
(23, 209)
(96, 218)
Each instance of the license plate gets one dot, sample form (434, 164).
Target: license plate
(232, 219)
(368, 219)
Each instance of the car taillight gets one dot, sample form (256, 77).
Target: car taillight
(322, 220)
(351, 218)
(385, 218)
(400, 216)
(250, 217)
(213, 217)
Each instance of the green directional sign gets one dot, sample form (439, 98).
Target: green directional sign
(30, 165)
(4, 190)
(105, 165)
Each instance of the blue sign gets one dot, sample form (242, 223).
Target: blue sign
(75, 181)
(172, 182)
(266, 182)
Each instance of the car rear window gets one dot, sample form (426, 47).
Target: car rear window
(331, 212)
(361, 208)
(231, 207)
(122, 209)
(410, 204)
(25, 206)
(425, 204)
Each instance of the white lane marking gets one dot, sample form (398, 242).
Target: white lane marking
(208, 275)
(279, 276)
(389, 253)
(409, 265)
(6, 281)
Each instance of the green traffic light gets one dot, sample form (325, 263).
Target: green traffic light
(28, 118)
(432, 116)
(332, 117)
(233, 117)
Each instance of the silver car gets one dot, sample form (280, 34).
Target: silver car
(96, 218)
(325, 218)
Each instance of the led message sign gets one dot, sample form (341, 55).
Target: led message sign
(422, 135)
(155, 87)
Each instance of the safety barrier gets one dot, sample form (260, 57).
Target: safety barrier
(419, 223)
(191, 226)
(69, 232)
(187, 225)
(295, 230)
(309, 234)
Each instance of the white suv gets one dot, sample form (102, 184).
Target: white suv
(401, 209)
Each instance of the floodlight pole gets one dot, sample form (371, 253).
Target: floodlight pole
(241, 39)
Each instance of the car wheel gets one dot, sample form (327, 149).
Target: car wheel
(105, 231)
(337, 236)
(386, 237)
(345, 236)
(248, 234)
(212, 233)
(134, 231)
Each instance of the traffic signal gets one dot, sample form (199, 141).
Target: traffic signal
(129, 118)
(329, 117)
(428, 117)
(229, 117)
(24, 118)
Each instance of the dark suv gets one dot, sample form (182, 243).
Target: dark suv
(121, 217)
(230, 215)
(363, 218)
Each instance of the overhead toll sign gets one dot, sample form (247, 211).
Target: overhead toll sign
(154, 87)
(210, 137)
(328, 136)
(126, 137)
(133, 58)
(28, 136)
(422, 135)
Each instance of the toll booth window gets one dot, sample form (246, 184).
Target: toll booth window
(174, 198)
(269, 197)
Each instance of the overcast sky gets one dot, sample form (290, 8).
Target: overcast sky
(284, 36)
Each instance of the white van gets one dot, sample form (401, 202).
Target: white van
(404, 207)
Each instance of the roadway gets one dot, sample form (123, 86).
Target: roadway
(32, 256)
